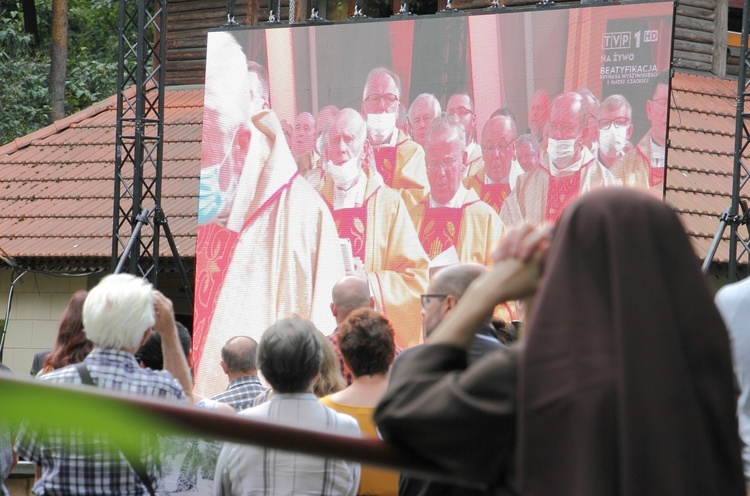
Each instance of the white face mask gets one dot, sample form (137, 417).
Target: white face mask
(381, 126)
(561, 151)
(612, 141)
(344, 175)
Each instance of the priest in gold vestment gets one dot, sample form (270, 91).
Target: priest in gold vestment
(384, 246)
(567, 170)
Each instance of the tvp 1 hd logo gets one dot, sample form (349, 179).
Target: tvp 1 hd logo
(626, 39)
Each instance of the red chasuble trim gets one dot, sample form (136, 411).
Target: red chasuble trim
(351, 223)
(560, 192)
(439, 229)
(655, 176)
(494, 195)
(385, 161)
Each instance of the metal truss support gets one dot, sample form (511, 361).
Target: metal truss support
(140, 131)
(734, 217)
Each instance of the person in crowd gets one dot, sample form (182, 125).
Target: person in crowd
(397, 158)
(71, 344)
(8, 457)
(290, 355)
(37, 363)
(187, 464)
(527, 152)
(368, 348)
(615, 128)
(328, 381)
(493, 181)
(461, 107)
(608, 400)
(118, 315)
(303, 135)
(325, 117)
(271, 201)
(591, 131)
(451, 216)
(443, 293)
(645, 168)
(568, 169)
(349, 294)
(423, 110)
(385, 248)
(538, 115)
(238, 361)
(733, 301)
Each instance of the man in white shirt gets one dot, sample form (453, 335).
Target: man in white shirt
(290, 354)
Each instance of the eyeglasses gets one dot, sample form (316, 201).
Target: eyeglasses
(460, 112)
(619, 122)
(389, 99)
(500, 147)
(427, 299)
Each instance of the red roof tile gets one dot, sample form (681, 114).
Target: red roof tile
(56, 185)
(700, 157)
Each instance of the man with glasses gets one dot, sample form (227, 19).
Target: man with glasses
(568, 168)
(452, 216)
(461, 108)
(645, 167)
(398, 159)
(615, 129)
(443, 294)
(384, 246)
(492, 182)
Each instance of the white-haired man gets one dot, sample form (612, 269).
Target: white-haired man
(375, 220)
(118, 316)
(423, 110)
(461, 107)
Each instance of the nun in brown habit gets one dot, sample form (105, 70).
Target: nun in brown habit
(624, 377)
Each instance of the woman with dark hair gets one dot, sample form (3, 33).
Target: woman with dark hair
(71, 345)
(366, 341)
(622, 384)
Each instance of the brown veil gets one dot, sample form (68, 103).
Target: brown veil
(626, 377)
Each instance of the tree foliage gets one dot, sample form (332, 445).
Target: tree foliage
(24, 65)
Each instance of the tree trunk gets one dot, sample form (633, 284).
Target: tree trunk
(30, 25)
(59, 59)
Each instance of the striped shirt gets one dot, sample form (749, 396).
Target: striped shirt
(241, 392)
(253, 470)
(69, 463)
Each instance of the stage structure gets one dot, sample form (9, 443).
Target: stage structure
(137, 215)
(737, 213)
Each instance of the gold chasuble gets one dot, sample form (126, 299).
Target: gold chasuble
(540, 198)
(403, 168)
(394, 261)
(634, 169)
(474, 229)
(275, 255)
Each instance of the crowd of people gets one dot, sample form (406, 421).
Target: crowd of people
(392, 189)
(621, 382)
(618, 382)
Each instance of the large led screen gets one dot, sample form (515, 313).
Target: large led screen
(390, 148)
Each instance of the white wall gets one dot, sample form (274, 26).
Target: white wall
(38, 302)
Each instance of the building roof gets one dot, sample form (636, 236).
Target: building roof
(700, 156)
(57, 186)
(57, 183)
